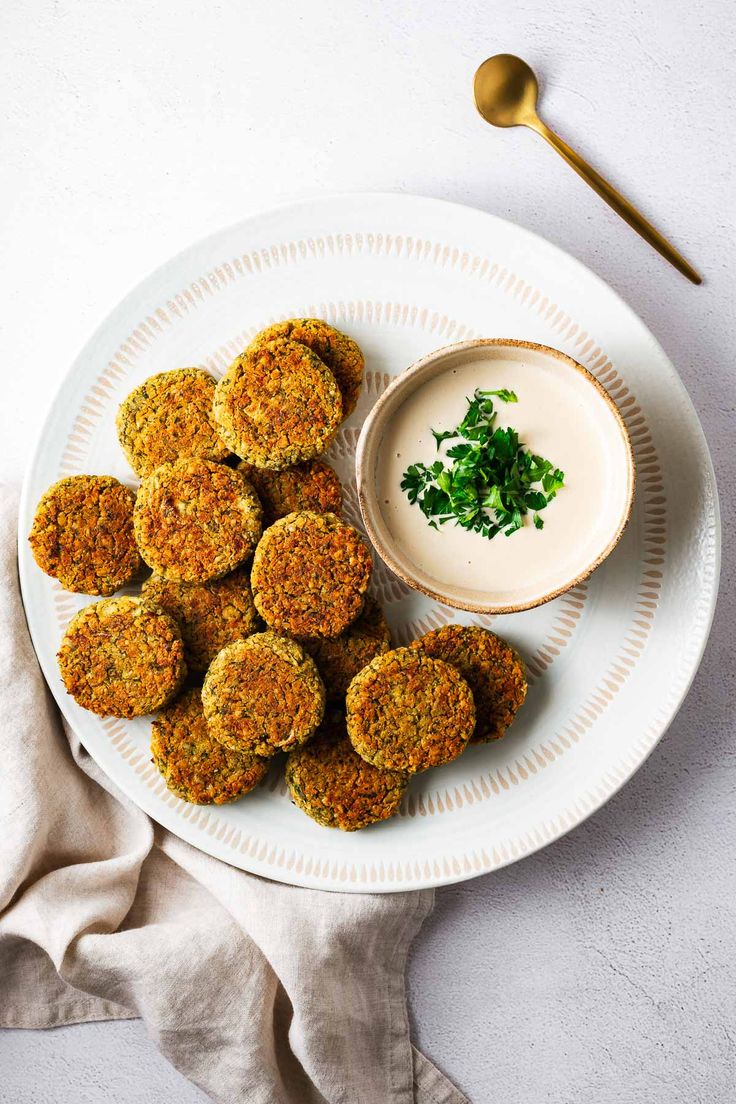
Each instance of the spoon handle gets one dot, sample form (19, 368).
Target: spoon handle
(615, 200)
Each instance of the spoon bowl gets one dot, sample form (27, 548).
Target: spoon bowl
(506, 91)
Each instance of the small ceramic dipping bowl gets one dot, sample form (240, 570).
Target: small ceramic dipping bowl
(562, 413)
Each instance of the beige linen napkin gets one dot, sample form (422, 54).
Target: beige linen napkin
(255, 991)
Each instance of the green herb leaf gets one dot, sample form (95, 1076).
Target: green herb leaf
(535, 500)
(488, 484)
(503, 395)
(444, 436)
(553, 480)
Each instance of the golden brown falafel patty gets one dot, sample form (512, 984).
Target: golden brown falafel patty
(83, 536)
(209, 615)
(169, 417)
(491, 667)
(277, 405)
(263, 695)
(313, 485)
(195, 520)
(338, 351)
(194, 766)
(121, 658)
(339, 658)
(408, 712)
(330, 782)
(310, 574)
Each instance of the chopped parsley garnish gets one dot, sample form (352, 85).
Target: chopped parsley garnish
(491, 481)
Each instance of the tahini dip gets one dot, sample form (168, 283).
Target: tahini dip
(560, 415)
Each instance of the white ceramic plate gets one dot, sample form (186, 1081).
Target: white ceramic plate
(609, 662)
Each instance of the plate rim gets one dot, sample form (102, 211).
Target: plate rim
(123, 306)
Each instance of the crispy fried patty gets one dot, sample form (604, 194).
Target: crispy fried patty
(313, 485)
(310, 574)
(83, 536)
(263, 695)
(277, 405)
(169, 417)
(330, 782)
(339, 658)
(491, 667)
(408, 712)
(209, 615)
(121, 658)
(194, 766)
(338, 351)
(195, 520)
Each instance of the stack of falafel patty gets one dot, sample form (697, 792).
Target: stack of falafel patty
(254, 635)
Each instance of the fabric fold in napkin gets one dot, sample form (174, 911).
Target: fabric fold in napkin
(255, 991)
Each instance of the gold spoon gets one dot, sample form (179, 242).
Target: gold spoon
(506, 93)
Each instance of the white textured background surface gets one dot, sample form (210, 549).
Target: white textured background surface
(603, 968)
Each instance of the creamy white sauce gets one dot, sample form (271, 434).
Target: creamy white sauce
(559, 416)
